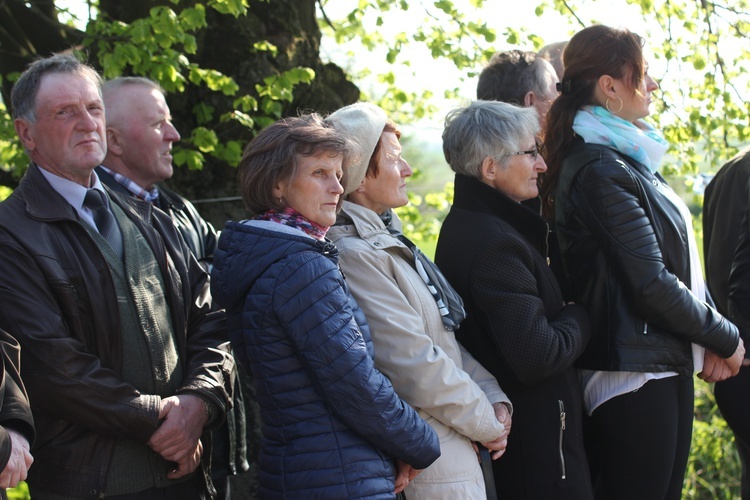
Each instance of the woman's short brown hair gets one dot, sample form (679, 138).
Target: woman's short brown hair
(271, 157)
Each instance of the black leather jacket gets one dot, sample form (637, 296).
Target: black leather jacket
(58, 299)
(625, 255)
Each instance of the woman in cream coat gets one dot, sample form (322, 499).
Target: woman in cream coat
(412, 327)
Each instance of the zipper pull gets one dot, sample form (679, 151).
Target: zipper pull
(563, 469)
(562, 415)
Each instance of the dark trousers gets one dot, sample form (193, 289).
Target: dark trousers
(639, 443)
(192, 489)
(733, 398)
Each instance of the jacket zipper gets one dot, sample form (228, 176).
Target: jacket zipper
(562, 431)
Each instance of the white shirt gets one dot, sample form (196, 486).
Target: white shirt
(74, 193)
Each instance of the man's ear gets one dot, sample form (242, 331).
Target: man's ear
(113, 142)
(23, 129)
(528, 99)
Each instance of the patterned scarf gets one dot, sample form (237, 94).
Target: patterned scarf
(290, 217)
(641, 142)
(449, 303)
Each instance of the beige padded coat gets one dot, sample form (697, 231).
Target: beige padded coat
(429, 369)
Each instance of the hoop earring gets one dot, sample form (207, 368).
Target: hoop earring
(606, 105)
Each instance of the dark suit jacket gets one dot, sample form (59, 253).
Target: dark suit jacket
(724, 205)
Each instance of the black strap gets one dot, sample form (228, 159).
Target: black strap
(449, 303)
(489, 478)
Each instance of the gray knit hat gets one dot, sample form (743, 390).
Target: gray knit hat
(362, 123)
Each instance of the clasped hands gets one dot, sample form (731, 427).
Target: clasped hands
(405, 472)
(177, 439)
(716, 368)
(497, 447)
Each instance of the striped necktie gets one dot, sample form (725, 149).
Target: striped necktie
(105, 221)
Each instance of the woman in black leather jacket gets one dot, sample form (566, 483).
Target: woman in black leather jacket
(629, 256)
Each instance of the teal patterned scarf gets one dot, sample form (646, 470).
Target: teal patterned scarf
(642, 142)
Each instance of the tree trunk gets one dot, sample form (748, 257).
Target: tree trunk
(29, 29)
(226, 45)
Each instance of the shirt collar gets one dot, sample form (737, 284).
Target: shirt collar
(136, 190)
(73, 192)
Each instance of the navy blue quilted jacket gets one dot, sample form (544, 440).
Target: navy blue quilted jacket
(332, 424)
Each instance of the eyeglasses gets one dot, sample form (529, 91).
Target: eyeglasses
(533, 152)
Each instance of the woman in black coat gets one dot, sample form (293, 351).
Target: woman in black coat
(493, 250)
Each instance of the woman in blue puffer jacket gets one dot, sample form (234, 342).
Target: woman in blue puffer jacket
(333, 427)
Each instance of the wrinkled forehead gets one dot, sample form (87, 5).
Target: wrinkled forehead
(61, 83)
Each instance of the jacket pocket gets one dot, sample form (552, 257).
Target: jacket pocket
(563, 469)
(70, 306)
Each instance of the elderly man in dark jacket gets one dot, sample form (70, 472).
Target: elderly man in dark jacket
(123, 357)
(140, 134)
(16, 423)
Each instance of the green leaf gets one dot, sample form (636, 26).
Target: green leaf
(204, 139)
(231, 152)
(444, 5)
(236, 8)
(188, 157)
(243, 118)
(266, 46)
(193, 18)
(246, 103)
(203, 112)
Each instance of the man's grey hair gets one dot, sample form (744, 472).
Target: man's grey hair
(486, 129)
(510, 75)
(25, 90)
(130, 81)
